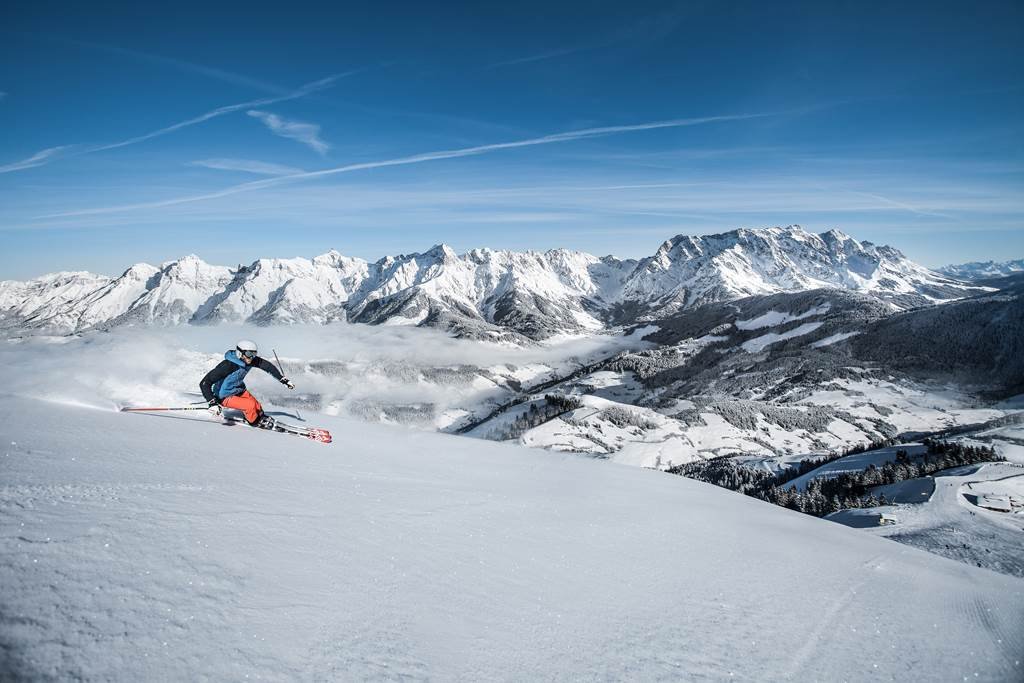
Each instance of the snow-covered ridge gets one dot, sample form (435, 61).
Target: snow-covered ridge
(690, 271)
(482, 293)
(977, 270)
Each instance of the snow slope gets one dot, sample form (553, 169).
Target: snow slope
(759, 343)
(137, 547)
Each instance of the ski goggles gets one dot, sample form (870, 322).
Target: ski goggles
(247, 354)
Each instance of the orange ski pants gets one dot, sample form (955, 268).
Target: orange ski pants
(247, 403)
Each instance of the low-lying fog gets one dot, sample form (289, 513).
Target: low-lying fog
(381, 373)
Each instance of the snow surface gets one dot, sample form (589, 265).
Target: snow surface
(862, 518)
(917, 490)
(908, 408)
(1005, 494)
(949, 523)
(758, 344)
(776, 318)
(141, 547)
(833, 339)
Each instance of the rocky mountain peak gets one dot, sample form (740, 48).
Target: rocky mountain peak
(534, 293)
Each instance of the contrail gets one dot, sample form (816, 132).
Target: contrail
(40, 158)
(899, 205)
(220, 111)
(415, 159)
(45, 156)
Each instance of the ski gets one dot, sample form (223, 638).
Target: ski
(130, 409)
(312, 433)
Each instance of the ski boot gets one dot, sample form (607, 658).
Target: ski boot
(265, 422)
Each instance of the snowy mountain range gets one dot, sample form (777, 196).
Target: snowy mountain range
(981, 270)
(515, 296)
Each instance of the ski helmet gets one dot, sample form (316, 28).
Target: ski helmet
(246, 348)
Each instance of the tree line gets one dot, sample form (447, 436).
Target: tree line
(537, 414)
(825, 495)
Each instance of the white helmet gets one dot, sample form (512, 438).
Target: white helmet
(246, 348)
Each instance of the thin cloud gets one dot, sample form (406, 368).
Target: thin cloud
(540, 57)
(725, 199)
(645, 31)
(248, 166)
(306, 133)
(38, 159)
(899, 205)
(46, 155)
(182, 65)
(419, 158)
(221, 111)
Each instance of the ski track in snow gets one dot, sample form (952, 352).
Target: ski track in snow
(134, 548)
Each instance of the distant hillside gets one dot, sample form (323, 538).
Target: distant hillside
(982, 270)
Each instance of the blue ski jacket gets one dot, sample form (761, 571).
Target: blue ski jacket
(228, 378)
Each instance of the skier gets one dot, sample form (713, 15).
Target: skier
(225, 384)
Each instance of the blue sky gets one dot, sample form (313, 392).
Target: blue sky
(141, 133)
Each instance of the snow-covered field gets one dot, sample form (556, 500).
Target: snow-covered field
(917, 490)
(906, 408)
(782, 418)
(952, 524)
(142, 547)
(663, 439)
(1005, 494)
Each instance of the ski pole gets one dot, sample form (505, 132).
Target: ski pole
(135, 410)
(297, 414)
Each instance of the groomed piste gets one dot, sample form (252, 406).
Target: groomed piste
(138, 547)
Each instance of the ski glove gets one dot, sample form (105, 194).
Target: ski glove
(287, 382)
(214, 408)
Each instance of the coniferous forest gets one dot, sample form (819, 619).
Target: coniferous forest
(827, 494)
